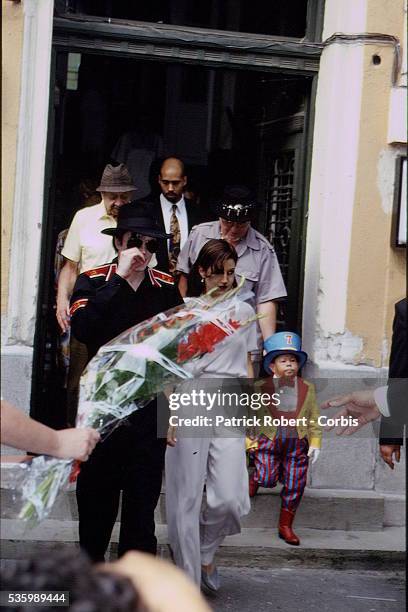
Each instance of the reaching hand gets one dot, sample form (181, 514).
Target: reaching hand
(75, 443)
(63, 317)
(360, 405)
(313, 453)
(387, 451)
(171, 436)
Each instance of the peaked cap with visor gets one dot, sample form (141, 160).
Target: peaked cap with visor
(237, 203)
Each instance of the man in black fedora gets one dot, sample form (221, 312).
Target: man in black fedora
(106, 301)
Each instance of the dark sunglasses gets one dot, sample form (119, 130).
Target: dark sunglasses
(134, 241)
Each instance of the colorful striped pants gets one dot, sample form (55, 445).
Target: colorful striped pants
(283, 459)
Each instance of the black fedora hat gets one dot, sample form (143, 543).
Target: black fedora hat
(236, 203)
(136, 217)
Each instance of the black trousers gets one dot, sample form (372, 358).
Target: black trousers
(131, 460)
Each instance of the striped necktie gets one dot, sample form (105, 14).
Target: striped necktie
(174, 248)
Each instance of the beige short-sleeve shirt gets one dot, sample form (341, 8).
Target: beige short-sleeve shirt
(84, 243)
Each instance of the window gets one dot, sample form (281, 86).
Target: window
(286, 18)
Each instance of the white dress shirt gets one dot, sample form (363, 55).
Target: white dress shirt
(380, 398)
(181, 214)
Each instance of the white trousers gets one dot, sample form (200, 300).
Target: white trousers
(195, 534)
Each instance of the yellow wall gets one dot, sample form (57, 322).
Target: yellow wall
(12, 30)
(377, 271)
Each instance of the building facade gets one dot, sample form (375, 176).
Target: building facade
(344, 271)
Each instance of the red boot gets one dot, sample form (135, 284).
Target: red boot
(253, 486)
(285, 527)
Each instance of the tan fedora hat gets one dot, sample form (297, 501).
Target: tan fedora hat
(116, 179)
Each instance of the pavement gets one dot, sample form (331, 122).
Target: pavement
(332, 570)
(287, 589)
(354, 569)
(253, 547)
(309, 590)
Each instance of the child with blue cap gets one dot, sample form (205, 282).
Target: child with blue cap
(282, 450)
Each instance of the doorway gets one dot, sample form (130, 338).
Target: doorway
(228, 125)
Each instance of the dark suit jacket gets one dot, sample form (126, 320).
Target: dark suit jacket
(194, 217)
(392, 428)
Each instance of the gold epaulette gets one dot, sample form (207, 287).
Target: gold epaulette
(157, 277)
(81, 303)
(106, 270)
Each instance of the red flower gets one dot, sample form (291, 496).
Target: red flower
(202, 340)
(76, 468)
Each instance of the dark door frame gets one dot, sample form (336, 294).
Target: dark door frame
(165, 43)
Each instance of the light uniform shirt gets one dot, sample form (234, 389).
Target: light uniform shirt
(84, 243)
(257, 262)
(181, 214)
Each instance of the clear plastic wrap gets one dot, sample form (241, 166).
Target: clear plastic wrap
(124, 376)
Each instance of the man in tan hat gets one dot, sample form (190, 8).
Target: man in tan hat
(86, 248)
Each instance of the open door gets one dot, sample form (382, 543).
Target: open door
(240, 126)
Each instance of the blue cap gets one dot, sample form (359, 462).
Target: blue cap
(283, 343)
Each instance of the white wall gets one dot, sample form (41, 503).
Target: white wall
(332, 187)
(19, 327)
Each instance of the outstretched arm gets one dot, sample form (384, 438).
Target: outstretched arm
(360, 405)
(20, 431)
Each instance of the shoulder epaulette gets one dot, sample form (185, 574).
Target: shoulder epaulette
(157, 277)
(265, 241)
(106, 270)
(81, 303)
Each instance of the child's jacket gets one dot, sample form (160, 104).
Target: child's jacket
(306, 407)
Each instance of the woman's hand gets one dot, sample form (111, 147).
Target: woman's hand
(171, 435)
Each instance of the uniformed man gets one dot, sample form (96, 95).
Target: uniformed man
(257, 260)
(105, 302)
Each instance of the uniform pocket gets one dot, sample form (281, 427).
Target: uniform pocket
(250, 275)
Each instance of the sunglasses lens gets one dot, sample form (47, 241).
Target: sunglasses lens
(134, 241)
(152, 245)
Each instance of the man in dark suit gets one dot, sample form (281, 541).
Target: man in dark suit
(392, 427)
(388, 402)
(174, 214)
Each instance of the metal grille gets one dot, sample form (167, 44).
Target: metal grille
(280, 204)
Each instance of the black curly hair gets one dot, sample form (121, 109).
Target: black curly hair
(70, 570)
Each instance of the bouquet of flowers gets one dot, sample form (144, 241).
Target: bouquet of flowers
(125, 375)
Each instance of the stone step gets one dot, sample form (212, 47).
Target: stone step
(253, 547)
(327, 509)
(322, 509)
